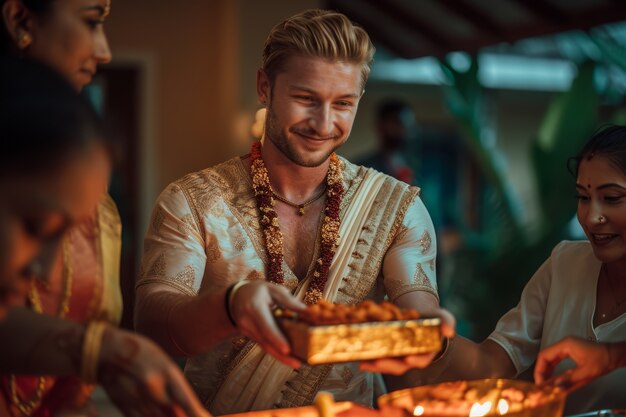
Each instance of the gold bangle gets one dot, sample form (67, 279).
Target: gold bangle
(231, 296)
(92, 343)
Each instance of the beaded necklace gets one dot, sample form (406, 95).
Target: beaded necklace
(272, 235)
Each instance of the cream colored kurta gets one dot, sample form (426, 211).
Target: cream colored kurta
(205, 234)
(559, 301)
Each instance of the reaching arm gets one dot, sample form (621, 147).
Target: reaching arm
(592, 361)
(181, 332)
(180, 302)
(138, 377)
(183, 325)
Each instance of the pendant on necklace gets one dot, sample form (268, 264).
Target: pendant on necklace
(301, 210)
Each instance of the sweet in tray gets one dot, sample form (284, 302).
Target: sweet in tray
(327, 333)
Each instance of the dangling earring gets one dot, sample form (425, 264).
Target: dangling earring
(23, 40)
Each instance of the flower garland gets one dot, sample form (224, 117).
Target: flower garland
(272, 235)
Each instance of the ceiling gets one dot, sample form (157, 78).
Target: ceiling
(418, 28)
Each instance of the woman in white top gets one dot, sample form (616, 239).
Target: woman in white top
(579, 291)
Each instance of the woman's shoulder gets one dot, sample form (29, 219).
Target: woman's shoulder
(572, 247)
(573, 254)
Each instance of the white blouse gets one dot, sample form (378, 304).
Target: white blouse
(559, 301)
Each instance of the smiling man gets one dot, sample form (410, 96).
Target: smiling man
(293, 213)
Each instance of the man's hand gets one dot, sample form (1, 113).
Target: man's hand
(399, 366)
(592, 360)
(142, 381)
(251, 308)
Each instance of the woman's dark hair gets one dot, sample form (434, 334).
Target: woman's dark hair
(37, 7)
(608, 142)
(43, 121)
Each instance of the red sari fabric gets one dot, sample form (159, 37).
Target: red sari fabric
(85, 303)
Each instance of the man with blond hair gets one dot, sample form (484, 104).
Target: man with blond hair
(292, 213)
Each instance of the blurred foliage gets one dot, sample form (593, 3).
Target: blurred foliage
(485, 280)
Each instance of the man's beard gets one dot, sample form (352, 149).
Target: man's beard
(277, 136)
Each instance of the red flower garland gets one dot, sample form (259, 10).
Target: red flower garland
(272, 235)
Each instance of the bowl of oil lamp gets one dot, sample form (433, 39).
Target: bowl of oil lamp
(479, 398)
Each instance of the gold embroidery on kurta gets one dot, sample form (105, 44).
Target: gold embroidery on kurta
(254, 274)
(239, 242)
(241, 202)
(420, 277)
(213, 251)
(397, 288)
(186, 277)
(402, 231)
(425, 242)
(157, 269)
(157, 219)
(157, 273)
(186, 224)
(226, 364)
(167, 281)
(302, 387)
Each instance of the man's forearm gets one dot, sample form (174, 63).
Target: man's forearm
(38, 344)
(181, 324)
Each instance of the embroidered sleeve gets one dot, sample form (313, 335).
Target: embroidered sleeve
(409, 264)
(174, 250)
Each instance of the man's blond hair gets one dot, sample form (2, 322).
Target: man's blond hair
(318, 33)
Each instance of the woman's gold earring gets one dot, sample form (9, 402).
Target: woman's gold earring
(23, 40)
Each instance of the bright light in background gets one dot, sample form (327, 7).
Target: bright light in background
(418, 71)
(460, 61)
(495, 71)
(523, 73)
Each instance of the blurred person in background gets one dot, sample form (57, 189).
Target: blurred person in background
(396, 130)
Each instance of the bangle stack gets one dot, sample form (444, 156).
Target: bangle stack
(229, 296)
(91, 351)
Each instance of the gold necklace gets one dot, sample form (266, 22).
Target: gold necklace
(26, 407)
(300, 206)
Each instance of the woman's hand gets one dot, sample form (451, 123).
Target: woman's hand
(592, 360)
(141, 380)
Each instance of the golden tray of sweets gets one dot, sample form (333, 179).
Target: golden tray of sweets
(329, 333)
(487, 397)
